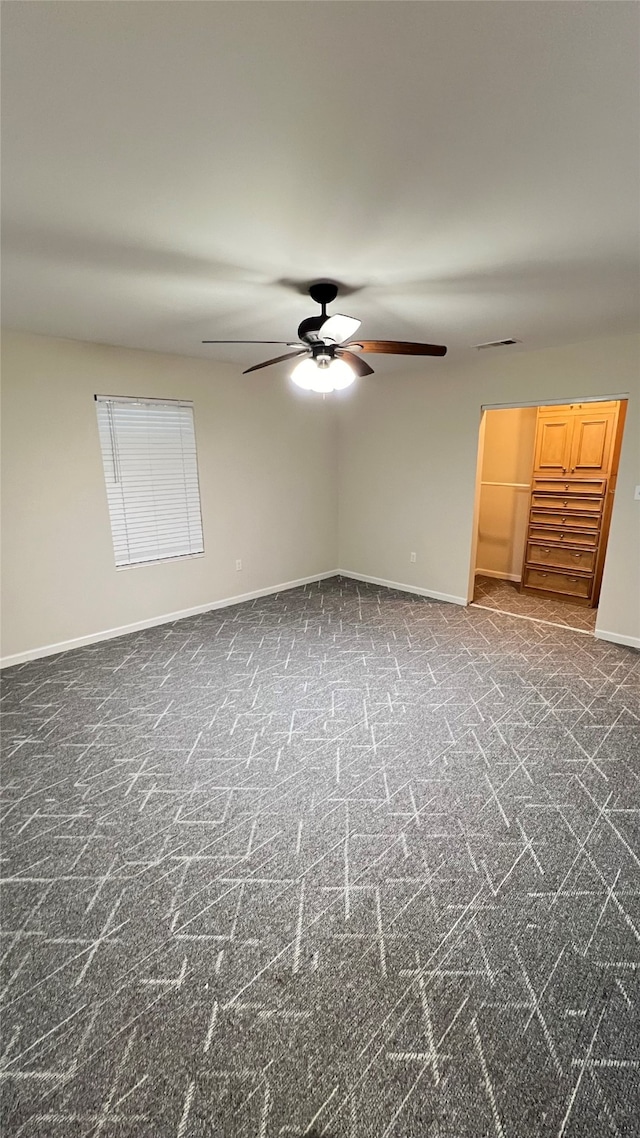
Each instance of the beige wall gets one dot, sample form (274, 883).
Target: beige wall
(269, 472)
(509, 437)
(267, 465)
(408, 455)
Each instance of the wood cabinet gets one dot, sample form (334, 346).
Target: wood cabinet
(574, 586)
(575, 455)
(561, 556)
(553, 444)
(575, 440)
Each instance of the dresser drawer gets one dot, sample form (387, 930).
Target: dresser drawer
(564, 518)
(565, 486)
(566, 502)
(561, 556)
(547, 535)
(554, 581)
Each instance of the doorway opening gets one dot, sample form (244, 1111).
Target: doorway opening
(545, 488)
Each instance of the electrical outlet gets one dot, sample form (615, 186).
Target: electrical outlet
(412, 557)
(238, 565)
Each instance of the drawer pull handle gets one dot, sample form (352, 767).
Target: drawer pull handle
(577, 555)
(546, 550)
(561, 536)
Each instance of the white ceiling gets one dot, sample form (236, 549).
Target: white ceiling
(173, 170)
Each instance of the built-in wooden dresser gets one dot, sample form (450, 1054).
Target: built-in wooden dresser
(570, 500)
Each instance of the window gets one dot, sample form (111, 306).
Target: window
(151, 473)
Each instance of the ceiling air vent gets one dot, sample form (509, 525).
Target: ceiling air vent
(498, 344)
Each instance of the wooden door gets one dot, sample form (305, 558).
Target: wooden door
(553, 443)
(591, 444)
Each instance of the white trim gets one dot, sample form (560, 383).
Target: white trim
(535, 619)
(501, 576)
(618, 638)
(145, 400)
(154, 621)
(158, 561)
(169, 618)
(448, 597)
(554, 402)
(513, 485)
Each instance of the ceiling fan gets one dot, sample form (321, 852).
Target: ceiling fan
(330, 362)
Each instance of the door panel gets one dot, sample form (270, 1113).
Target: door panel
(591, 445)
(553, 444)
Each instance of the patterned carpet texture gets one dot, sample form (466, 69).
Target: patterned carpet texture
(340, 862)
(505, 596)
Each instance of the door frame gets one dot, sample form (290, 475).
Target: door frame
(484, 407)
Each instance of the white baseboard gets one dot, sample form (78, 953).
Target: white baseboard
(169, 618)
(448, 597)
(618, 638)
(154, 621)
(501, 576)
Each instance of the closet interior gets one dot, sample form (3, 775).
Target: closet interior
(547, 484)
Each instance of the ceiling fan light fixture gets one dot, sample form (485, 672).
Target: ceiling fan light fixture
(333, 376)
(322, 381)
(341, 374)
(331, 361)
(304, 373)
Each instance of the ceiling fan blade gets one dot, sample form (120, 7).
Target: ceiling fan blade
(338, 328)
(276, 360)
(361, 367)
(288, 343)
(397, 348)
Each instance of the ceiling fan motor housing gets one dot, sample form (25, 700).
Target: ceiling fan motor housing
(309, 328)
(336, 346)
(323, 354)
(323, 292)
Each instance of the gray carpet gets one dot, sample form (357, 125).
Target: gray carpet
(505, 596)
(342, 862)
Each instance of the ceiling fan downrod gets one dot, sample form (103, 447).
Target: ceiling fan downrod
(323, 292)
(328, 344)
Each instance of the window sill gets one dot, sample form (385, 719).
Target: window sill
(158, 561)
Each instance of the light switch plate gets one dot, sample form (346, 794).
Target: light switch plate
(637, 494)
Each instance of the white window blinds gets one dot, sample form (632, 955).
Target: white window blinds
(151, 474)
